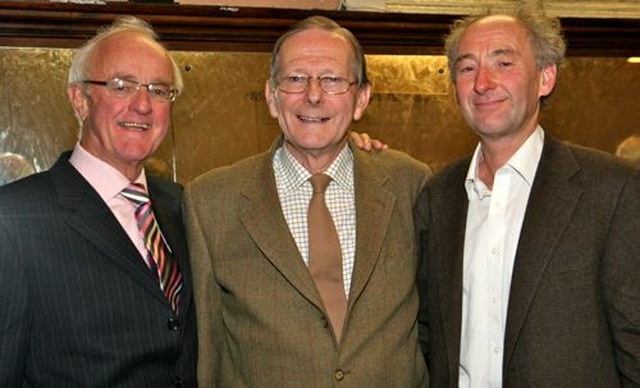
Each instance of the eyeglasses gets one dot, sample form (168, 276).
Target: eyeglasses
(123, 88)
(329, 84)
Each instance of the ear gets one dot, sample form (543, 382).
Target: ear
(270, 97)
(364, 93)
(548, 76)
(78, 100)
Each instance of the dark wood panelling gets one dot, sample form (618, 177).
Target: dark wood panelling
(215, 28)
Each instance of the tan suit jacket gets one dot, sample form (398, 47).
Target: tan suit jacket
(260, 318)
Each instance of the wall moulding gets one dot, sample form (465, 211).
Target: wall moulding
(237, 29)
(572, 9)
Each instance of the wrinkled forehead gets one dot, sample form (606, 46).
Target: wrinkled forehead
(497, 32)
(316, 47)
(316, 39)
(130, 51)
(503, 24)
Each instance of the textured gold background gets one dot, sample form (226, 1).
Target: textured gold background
(222, 116)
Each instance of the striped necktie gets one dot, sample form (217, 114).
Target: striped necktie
(158, 257)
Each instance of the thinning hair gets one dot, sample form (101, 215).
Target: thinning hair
(545, 34)
(122, 25)
(629, 149)
(359, 65)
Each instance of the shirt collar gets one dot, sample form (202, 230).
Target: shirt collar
(103, 177)
(295, 175)
(524, 162)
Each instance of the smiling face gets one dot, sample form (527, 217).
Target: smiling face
(498, 85)
(314, 123)
(123, 131)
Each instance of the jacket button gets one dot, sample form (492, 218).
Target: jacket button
(173, 324)
(338, 374)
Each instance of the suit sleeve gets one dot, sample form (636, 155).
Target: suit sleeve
(420, 216)
(14, 312)
(621, 282)
(206, 293)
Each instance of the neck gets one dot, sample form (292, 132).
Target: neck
(315, 161)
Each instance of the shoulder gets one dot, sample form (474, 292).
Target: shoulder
(245, 171)
(395, 163)
(452, 174)
(36, 188)
(584, 162)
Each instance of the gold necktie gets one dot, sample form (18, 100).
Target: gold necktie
(325, 255)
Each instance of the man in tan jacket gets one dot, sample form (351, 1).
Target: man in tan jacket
(264, 320)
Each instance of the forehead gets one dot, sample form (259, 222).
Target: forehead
(315, 45)
(131, 54)
(495, 33)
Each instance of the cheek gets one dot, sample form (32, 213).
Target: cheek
(106, 111)
(273, 107)
(459, 91)
(460, 98)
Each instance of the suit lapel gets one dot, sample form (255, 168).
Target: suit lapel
(553, 197)
(374, 206)
(263, 218)
(449, 215)
(166, 207)
(91, 218)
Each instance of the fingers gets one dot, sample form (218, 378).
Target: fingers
(361, 140)
(364, 142)
(378, 145)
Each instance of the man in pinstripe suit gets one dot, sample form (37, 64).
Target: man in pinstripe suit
(79, 307)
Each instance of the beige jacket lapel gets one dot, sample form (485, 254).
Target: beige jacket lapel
(374, 206)
(263, 218)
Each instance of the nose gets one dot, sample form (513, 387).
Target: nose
(314, 91)
(141, 100)
(484, 80)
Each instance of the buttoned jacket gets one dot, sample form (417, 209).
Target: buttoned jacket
(78, 305)
(261, 320)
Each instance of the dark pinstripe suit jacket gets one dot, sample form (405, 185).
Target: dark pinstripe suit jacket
(573, 319)
(78, 307)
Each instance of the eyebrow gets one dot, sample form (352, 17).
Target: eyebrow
(134, 78)
(495, 53)
(503, 51)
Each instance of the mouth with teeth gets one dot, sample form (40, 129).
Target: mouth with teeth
(307, 119)
(138, 126)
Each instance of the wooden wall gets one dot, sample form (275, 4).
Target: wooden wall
(222, 116)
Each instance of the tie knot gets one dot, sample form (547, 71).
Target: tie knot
(135, 193)
(320, 182)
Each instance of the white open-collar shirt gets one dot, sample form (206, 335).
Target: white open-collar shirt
(494, 221)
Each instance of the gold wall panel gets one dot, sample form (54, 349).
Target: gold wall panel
(222, 115)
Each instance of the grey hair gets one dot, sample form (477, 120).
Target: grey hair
(545, 34)
(123, 24)
(359, 65)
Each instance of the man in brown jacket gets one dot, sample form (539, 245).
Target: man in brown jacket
(263, 321)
